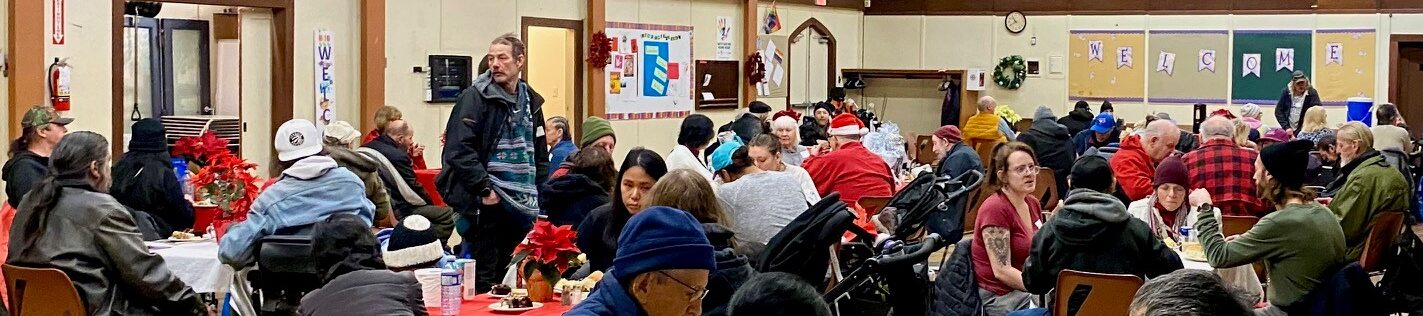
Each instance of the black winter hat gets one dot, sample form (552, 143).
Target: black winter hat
(837, 94)
(1287, 162)
(1092, 172)
(413, 244)
(1106, 107)
(1082, 105)
(148, 136)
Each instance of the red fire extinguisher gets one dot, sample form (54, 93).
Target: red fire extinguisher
(59, 85)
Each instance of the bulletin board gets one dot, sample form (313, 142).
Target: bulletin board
(1262, 79)
(773, 49)
(650, 75)
(1346, 64)
(1107, 65)
(1189, 67)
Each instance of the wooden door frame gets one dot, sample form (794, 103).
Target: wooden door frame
(1393, 62)
(576, 27)
(830, 72)
(283, 58)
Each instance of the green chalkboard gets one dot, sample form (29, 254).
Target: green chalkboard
(1265, 89)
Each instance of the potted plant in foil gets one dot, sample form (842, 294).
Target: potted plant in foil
(223, 184)
(547, 252)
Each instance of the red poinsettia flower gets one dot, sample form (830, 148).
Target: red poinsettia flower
(550, 245)
(219, 176)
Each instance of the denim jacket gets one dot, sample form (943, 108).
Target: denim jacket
(312, 189)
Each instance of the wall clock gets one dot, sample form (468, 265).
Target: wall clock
(1015, 22)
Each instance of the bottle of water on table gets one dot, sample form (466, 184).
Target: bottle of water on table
(450, 292)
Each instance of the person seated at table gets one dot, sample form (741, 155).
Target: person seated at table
(598, 234)
(778, 293)
(407, 195)
(1365, 187)
(786, 127)
(694, 136)
(844, 165)
(567, 200)
(354, 280)
(157, 191)
(1225, 168)
(339, 140)
(413, 245)
(1301, 242)
(1166, 209)
(68, 222)
(1093, 232)
(40, 130)
(383, 116)
(1187, 292)
(1103, 132)
(1323, 162)
(662, 268)
(686, 190)
(560, 142)
(1053, 145)
(759, 203)
(764, 149)
(983, 127)
(311, 188)
(1135, 163)
(955, 159)
(1004, 229)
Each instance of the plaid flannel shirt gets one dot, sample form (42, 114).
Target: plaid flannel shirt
(1227, 171)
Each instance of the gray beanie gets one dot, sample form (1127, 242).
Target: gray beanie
(1044, 113)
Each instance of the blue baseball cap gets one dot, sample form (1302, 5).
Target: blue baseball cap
(1104, 123)
(722, 156)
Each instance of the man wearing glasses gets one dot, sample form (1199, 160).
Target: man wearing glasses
(661, 268)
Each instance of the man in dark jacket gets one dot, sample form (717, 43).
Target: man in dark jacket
(354, 280)
(494, 159)
(752, 123)
(955, 159)
(1104, 131)
(397, 173)
(144, 180)
(1079, 119)
(1296, 99)
(1053, 145)
(813, 127)
(732, 271)
(1094, 233)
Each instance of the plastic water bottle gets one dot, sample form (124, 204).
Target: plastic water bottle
(450, 292)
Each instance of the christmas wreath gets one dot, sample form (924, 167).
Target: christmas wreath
(598, 50)
(755, 69)
(1013, 64)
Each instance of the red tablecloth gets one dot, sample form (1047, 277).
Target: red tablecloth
(426, 177)
(480, 306)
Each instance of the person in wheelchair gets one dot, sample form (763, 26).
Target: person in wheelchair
(311, 188)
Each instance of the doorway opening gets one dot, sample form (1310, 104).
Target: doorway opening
(553, 66)
(1406, 87)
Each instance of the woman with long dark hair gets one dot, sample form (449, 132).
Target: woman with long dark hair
(70, 223)
(598, 234)
(40, 131)
(568, 199)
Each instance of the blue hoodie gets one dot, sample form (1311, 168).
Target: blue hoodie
(312, 189)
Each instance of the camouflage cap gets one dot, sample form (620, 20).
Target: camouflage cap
(41, 115)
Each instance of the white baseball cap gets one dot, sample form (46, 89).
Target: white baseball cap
(297, 139)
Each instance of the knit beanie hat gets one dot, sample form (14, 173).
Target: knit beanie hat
(1106, 107)
(1287, 162)
(594, 128)
(1091, 172)
(1082, 105)
(342, 132)
(950, 133)
(661, 238)
(412, 244)
(1171, 171)
(148, 136)
(1043, 113)
(1250, 110)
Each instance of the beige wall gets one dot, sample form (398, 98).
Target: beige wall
(959, 42)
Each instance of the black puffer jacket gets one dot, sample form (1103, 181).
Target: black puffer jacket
(1077, 120)
(567, 200)
(21, 173)
(732, 270)
(1094, 233)
(956, 288)
(1053, 145)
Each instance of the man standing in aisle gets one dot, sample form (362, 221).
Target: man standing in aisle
(495, 159)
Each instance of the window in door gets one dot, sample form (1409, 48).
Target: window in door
(166, 68)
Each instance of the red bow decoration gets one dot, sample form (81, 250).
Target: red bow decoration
(549, 249)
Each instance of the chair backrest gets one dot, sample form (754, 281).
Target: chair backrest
(1105, 294)
(41, 292)
(1046, 188)
(1235, 225)
(985, 153)
(1383, 231)
(924, 145)
(1023, 125)
(286, 254)
(970, 215)
(874, 204)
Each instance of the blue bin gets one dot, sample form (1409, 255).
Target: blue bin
(1359, 110)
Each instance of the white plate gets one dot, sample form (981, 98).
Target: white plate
(175, 240)
(499, 307)
(499, 295)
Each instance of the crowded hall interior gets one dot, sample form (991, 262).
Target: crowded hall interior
(711, 157)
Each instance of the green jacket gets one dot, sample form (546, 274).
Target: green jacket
(1300, 245)
(1372, 187)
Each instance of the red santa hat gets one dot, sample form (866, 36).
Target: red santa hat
(846, 124)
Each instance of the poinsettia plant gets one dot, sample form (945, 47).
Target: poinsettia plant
(549, 249)
(220, 177)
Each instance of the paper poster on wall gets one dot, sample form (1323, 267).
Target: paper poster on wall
(1199, 84)
(1347, 64)
(1285, 59)
(1166, 62)
(723, 38)
(651, 83)
(773, 56)
(325, 78)
(976, 80)
(1091, 76)
(1250, 65)
(1205, 60)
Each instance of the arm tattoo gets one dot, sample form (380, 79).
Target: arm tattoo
(997, 241)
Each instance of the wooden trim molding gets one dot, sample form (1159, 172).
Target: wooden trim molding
(283, 58)
(830, 72)
(372, 61)
(1393, 54)
(749, 30)
(27, 43)
(597, 21)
